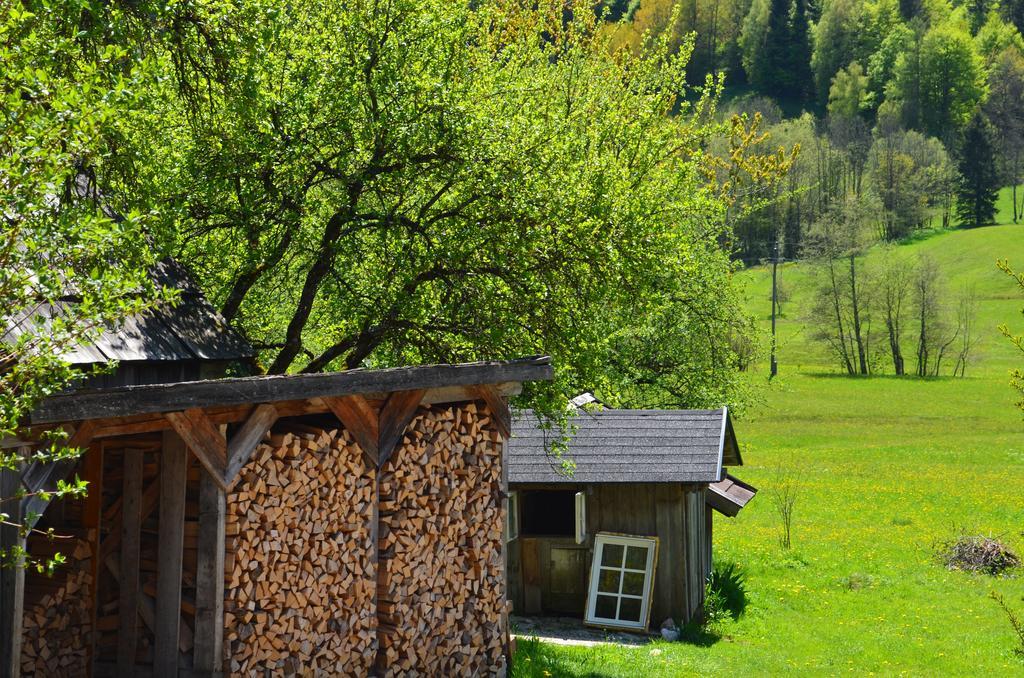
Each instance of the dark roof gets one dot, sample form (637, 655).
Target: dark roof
(729, 495)
(134, 400)
(189, 330)
(617, 446)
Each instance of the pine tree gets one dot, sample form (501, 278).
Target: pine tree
(800, 53)
(978, 185)
(775, 77)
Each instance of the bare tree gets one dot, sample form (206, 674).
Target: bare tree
(966, 312)
(785, 493)
(927, 314)
(842, 308)
(894, 282)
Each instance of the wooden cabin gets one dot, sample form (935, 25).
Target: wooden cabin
(340, 523)
(626, 539)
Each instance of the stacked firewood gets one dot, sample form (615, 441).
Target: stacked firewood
(441, 600)
(56, 629)
(300, 582)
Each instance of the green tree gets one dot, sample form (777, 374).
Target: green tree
(800, 53)
(940, 81)
(978, 187)
(848, 93)
(68, 270)
(836, 42)
(367, 186)
(1005, 108)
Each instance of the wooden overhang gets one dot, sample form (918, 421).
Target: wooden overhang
(729, 495)
(376, 405)
(622, 446)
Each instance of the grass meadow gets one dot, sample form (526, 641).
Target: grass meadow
(888, 467)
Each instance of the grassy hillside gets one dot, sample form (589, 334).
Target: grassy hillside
(889, 467)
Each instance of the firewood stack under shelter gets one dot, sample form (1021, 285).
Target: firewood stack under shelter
(329, 524)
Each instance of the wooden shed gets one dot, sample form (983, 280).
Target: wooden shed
(626, 539)
(343, 523)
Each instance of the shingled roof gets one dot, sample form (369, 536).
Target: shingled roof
(189, 330)
(618, 446)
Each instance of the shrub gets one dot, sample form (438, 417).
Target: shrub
(977, 553)
(728, 584)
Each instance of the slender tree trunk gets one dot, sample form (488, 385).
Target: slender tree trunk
(922, 344)
(857, 334)
(837, 309)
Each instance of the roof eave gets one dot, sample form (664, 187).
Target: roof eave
(138, 400)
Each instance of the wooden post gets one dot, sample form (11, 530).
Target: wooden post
(208, 653)
(128, 586)
(91, 518)
(173, 463)
(12, 581)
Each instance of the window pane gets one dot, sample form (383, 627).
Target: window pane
(605, 607)
(633, 583)
(636, 557)
(629, 609)
(608, 582)
(611, 555)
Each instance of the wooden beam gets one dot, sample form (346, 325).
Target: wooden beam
(498, 406)
(243, 443)
(398, 411)
(361, 419)
(128, 582)
(127, 400)
(45, 475)
(205, 441)
(110, 427)
(173, 478)
(208, 655)
(12, 581)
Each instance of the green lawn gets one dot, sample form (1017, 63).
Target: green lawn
(889, 467)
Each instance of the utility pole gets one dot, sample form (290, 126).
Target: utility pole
(775, 265)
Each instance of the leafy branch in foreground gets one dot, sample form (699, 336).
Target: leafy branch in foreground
(68, 269)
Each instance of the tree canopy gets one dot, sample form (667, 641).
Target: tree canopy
(420, 181)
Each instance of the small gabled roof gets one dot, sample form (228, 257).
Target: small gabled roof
(729, 495)
(619, 446)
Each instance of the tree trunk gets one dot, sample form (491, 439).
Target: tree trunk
(857, 335)
(845, 354)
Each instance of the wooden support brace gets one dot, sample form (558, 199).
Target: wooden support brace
(361, 420)
(243, 443)
(147, 608)
(205, 441)
(498, 406)
(398, 411)
(45, 475)
(149, 501)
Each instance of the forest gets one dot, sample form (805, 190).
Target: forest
(903, 118)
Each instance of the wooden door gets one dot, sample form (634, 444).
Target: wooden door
(563, 577)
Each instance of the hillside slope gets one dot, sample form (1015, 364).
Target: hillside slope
(887, 467)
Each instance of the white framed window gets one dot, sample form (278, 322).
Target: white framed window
(512, 517)
(621, 580)
(581, 517)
